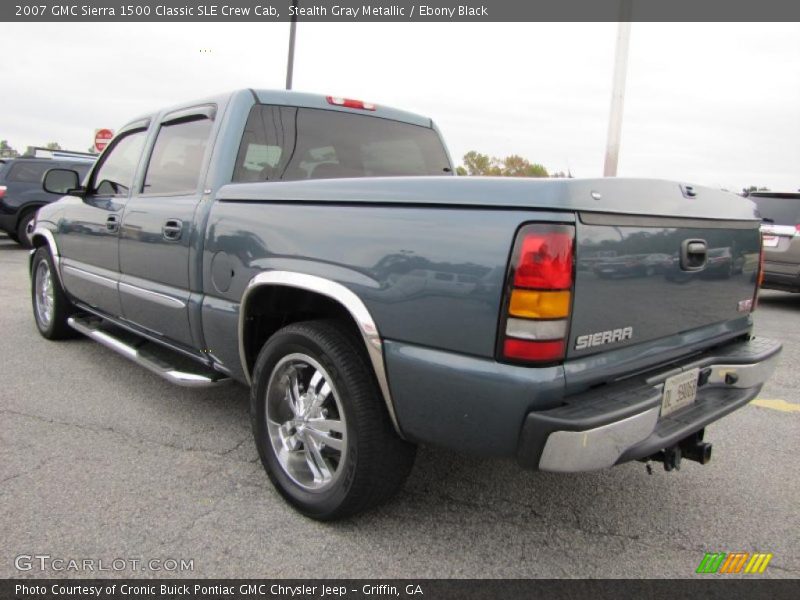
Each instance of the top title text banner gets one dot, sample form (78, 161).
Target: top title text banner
(398, 10)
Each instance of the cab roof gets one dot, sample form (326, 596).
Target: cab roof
(288, 98)
(291, 98)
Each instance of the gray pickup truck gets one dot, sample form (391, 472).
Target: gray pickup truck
(320, 251)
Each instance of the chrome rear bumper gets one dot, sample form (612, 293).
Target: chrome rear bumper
(622, 422)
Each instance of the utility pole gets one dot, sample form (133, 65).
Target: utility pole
(618, 89)
(290, 62)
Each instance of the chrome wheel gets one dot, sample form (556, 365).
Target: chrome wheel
(305, 421)
(44, 294)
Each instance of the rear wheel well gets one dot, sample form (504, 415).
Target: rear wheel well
(272, 307)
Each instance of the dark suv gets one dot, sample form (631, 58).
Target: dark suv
(781, 238)
(21, 193)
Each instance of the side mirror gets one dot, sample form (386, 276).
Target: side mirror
(63, 182)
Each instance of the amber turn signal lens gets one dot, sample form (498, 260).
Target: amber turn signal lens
(531, 304)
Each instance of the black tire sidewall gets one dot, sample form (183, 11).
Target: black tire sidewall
(22, 229)
(314, 504)
(62, 308)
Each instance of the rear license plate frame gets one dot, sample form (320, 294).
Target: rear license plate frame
(679, 391)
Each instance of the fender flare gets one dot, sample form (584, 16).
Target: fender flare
(343, 296)
(50, 239)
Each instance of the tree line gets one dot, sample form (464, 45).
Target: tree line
(513, 165)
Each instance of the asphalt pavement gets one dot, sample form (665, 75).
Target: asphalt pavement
(102, 460)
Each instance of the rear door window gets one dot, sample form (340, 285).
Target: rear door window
(177, 158)
(283, 143)
(28, 171)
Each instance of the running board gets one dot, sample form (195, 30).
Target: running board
(92, 327)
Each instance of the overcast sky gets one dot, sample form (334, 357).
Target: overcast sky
(716, 104)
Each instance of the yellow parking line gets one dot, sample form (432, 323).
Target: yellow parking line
(781, 405)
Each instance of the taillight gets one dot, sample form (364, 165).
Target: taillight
(797, 229)
(535, 322)
(350, 103)
(2, 191)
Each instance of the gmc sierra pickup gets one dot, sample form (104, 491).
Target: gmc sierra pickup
(320, 250)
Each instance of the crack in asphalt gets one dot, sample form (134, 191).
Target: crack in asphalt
(135, 441)
(25, 472)
(185, 530)
(511, 518)
(236, 447)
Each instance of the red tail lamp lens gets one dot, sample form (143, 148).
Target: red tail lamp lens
(550, 350)
(544, 258)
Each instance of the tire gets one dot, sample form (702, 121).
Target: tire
(51, 307)
(332, 453)
(22, 237)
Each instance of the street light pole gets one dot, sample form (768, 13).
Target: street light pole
(290, 62)
(618, 90)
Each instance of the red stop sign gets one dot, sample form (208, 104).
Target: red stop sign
(101, 138)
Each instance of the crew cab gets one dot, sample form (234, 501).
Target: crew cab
(320, 251)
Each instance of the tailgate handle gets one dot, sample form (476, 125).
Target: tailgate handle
(694, 254)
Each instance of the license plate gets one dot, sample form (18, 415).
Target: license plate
(679, 391)
(770, 241)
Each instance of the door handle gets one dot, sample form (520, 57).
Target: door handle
(172, 229)
(112, 223)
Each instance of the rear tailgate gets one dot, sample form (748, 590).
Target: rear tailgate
(640, 279)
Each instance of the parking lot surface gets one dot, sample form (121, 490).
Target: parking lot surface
(100, 459)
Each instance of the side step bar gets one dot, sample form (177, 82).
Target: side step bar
(92, 327)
